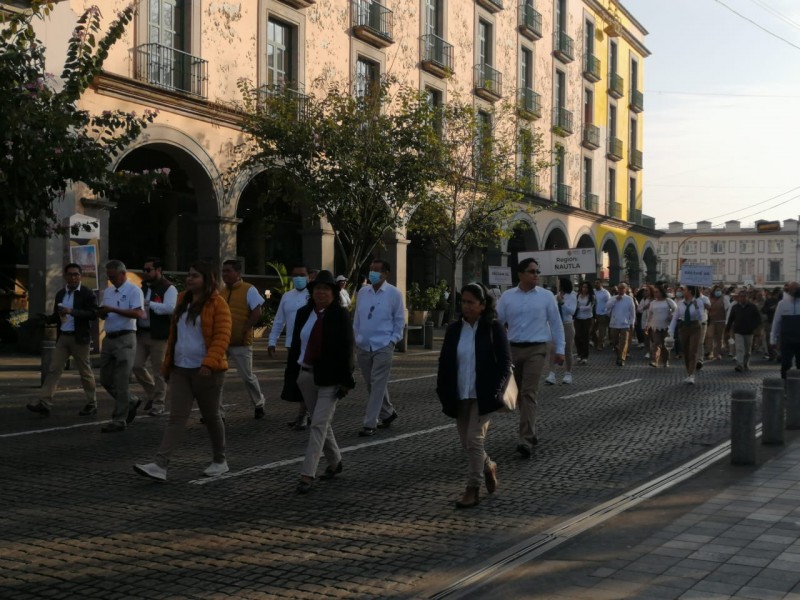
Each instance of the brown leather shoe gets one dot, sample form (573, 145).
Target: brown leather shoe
(490, 477)
(471, 498)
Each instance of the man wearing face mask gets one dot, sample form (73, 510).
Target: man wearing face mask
(378, 324)
(291, 302)
(786, 328)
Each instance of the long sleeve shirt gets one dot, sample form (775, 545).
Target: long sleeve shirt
(621, 311)
(165, 307)
(379, 317)
(696, 313)
(290, 303)
(531, 317)
(466, 362)
(787, 307)
(745, 318)
(568, 306)
(601, 298)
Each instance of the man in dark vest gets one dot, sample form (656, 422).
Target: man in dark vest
(74, 307)
(160, 297)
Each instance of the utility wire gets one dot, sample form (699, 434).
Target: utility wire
(769, 208)
(775, 12)
(764, 29)
(726, 95)
(759, 204)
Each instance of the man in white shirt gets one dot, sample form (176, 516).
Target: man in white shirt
(786, 328)
(160, 297)
(601, 297)
(291, 302)
(378, 325)
(531, 315)
(341, 281)
(121, 306)
(621, 311)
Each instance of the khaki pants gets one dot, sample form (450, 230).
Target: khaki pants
(66, 346)
(153, 383)
(658, 352)
(529, 362)
(690, 342)
(242, 357)
(744, 344)
(116, 363)
(472, 429)
(713, 343)
(600, 332)
(621, 338)
(321, 402)
(375, 368)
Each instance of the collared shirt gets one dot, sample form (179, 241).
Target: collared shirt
(601, 298)
(127, 296)
(466, 361)
(291, 302)
(789, 306)
(568, 307)
(165, 307)
(621, 311)
(190, 347)
(379, 317)
(531, 316)
(706, 302)
(68, 301)
(696, 313)
(345, 297)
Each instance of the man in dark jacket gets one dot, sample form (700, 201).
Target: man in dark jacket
(74, 307)
(743, 321)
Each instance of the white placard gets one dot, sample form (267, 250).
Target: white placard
(563, 262)
(695, 274)
(500, 275)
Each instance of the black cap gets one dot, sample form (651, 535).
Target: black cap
(325, 277)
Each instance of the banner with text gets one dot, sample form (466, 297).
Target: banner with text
(563, 262)
(694, 274)
(499, 275)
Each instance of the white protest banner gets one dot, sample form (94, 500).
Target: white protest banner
(499, 275)
(696, 274)
(563, 262)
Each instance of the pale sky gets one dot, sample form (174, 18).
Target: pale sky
(721, 98)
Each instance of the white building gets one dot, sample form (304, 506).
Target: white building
(765, 255)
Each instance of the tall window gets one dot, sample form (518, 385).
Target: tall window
(588, 107)
(747, 266)
(526, 69)
(775, 246)
(484, 43)
(561, 89)
(165, 24)
(612, 57)
(775, 272)
(525, 149)
(717, 247)
(612, 188)
(561, 165)
(588, 38)
(719, 267)
(433, 18)
(279, 54)
(747, 247)
(634, 74)
(631, 197)
(587, 176)
(561, 16)
(632, 135)
(483, 145)
(612, 120)
(367, 77)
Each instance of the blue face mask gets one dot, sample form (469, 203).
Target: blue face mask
(679, 294)
(717, 294)
(300, 283)
(374, 277)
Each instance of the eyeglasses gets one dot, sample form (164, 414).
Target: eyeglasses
(534, 272)
(371, 308)
(148, 269)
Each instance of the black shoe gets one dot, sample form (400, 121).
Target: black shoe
(699, 365)
(303, 487)
(259, 412)
(367, 432)
(89, 410)
(132, 408)
(524, 451)
(331, 472)
(148, 406)
(112, 428)
(38, 408)
(387, 422)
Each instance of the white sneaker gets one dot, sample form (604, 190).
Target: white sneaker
(151, 470)
(647, 355)
(567, 378)
(551, 379)
(689, 380)
(216, 469)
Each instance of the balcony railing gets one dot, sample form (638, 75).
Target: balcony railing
(492, 6)
(171, 69)
(635, 160)
(300, 3)
(562, 121)
(591, 67)
(637, 101)
(488, 82)
(590, 202)
(437, 55)
(562, 193)
(530, 21)
(292, 92)
(635, 216)
(563, 47)
(527, 179)
(591, 137)
(614, 150)
(616, 85)
(530, 104)
(373, 22)
(649, 222)
(614, 210)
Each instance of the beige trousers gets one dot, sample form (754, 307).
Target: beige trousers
(529, 362)
(472, 429)
(66, 347)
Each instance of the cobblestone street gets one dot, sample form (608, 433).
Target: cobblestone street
(78, 523)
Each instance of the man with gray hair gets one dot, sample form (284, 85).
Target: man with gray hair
(122, 304)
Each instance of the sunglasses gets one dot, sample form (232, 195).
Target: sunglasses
(534, 272)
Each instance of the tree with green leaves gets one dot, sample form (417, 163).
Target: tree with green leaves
(480, 183)
(47, 142)
(365, 161)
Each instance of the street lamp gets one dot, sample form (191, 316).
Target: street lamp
(678, 261)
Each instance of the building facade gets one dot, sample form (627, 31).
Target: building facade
(765, 255)
(573, 68)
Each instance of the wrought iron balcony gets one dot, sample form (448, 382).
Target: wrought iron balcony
(616, 85)
(171, 69)
(614, 210)
(562, 194)
(635, 216)
(591, 137)
(437, 55)
(529, 104)
(591, 67)
(291, 92)
(300, 3)
(488, 82)
(614, 150)
(492, 6)
(637, 101)
(530, 21)
(527, 179)
(563, 47)
(372, 22)
(590, 201)
(649, 222)
(562, 121)
(635, 160)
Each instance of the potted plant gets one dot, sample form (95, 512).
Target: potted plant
(442, 297)
(420, 302)
(264, 324)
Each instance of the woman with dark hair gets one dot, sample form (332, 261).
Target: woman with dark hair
(321, 358)
(659, 316)
(687, 323)
(567, 304)
(194, 365)
(584, 314)
(474, 369)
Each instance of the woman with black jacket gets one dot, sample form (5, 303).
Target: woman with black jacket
(474, 368)
(321, 357)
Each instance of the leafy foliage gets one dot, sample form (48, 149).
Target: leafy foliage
(46, 141)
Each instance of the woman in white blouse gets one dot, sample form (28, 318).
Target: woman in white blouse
(567, 304)
(659, 316)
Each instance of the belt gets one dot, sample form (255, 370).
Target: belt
(67, 333)
(525, 344)
(116, 334)
(306, 369)
(141, 329)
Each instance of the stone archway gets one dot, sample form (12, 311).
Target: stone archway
(586, 241)
(610, 260)
(523, 240)
(633, 266)
(651, 265)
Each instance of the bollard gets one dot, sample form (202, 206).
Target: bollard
(428, 336)
(772, 411)
(48, 347)
(743, 427)
(402, 345)
(793, 399)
